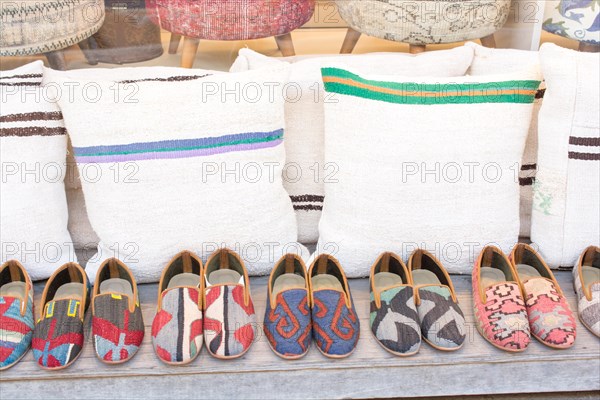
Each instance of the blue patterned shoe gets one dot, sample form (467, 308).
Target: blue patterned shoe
(335, 323)
(394, 318)
(287, 318)
(16, 313)
(442, 320)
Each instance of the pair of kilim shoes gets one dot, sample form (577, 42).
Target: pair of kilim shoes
(199, 303)
(408, 303)
(516, 297)
(58, 336)
(302, 305)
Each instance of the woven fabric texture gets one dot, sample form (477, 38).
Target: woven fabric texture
(336, 327)
(230, 19)
(566, 216)
(16, 329)
(442, 320)
(287, 326)
(425, 22)
(42, 26)
(573, 19)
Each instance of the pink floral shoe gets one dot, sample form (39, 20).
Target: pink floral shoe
(499, 306)
(550, 319)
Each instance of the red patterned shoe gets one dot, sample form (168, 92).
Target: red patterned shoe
(498, 303)
(177, 326)
(229, 319)
(551, 320)
(117, 323)
(58, 336)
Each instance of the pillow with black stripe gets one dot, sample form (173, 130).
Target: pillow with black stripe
(33, 148)
(566, 200)
(180, 162)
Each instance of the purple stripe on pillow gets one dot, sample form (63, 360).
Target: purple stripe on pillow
(177, 154)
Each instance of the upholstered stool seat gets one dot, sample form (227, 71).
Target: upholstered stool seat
(420, 23)
(577, 20)
(46, 26)
(229, 20)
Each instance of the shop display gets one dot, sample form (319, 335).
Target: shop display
(442, 321)
(500, 312)
(447, 21)
(33, 147)
(586, 281)
(16, 313)
(117, 322)
(127, 34)
(58, 335)
(306, 170)
(335, 324)
(288, 323)
(451, 192)
(566, 216)
(488, 61)
(394, 318)
(48, 27)
(228, 20)
(550, 318)
(577, 20)
(229, 318)
(177, 328)
(175, 177)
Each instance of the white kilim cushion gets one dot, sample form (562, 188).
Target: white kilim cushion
(423, 162)
(33, 148)
(566, 202)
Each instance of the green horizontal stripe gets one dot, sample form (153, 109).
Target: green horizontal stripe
(433, 87)
(160, 150)
(428, 100)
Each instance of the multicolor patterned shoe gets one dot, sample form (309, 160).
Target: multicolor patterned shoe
(336, 326)
(58, 336)
(586, 280)
(229, 319)
(394, 318)
(442, 320)
(498, 303)
(550, 318)
(16, 313)
(287, 318)
(117, 323)
(177, 327)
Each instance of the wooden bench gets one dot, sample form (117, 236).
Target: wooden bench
(478, 368)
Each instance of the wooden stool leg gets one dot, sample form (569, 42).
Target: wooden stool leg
(416, 48)
(350, 40)
(190, 47)
(88, 47)
(589, 47)
(488, 41)
(285, 44)
(57, 60)
(174, 43)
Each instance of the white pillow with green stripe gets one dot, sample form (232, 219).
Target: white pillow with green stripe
(423, 163)
(182, 162)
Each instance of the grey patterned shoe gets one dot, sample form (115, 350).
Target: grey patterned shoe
(442, 320)
(586, 279)
(394, 318)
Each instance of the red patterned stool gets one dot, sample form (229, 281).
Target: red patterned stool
(228, 20)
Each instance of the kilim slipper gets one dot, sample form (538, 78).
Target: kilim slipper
(177, 326)
(550, 318)
(58, 336)
(287, 318)
(394, 318)
(500, 312)
(586, 280)
(229, 319)
(335, 323)
(16, 313)
(442, 320)
(117, 323)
